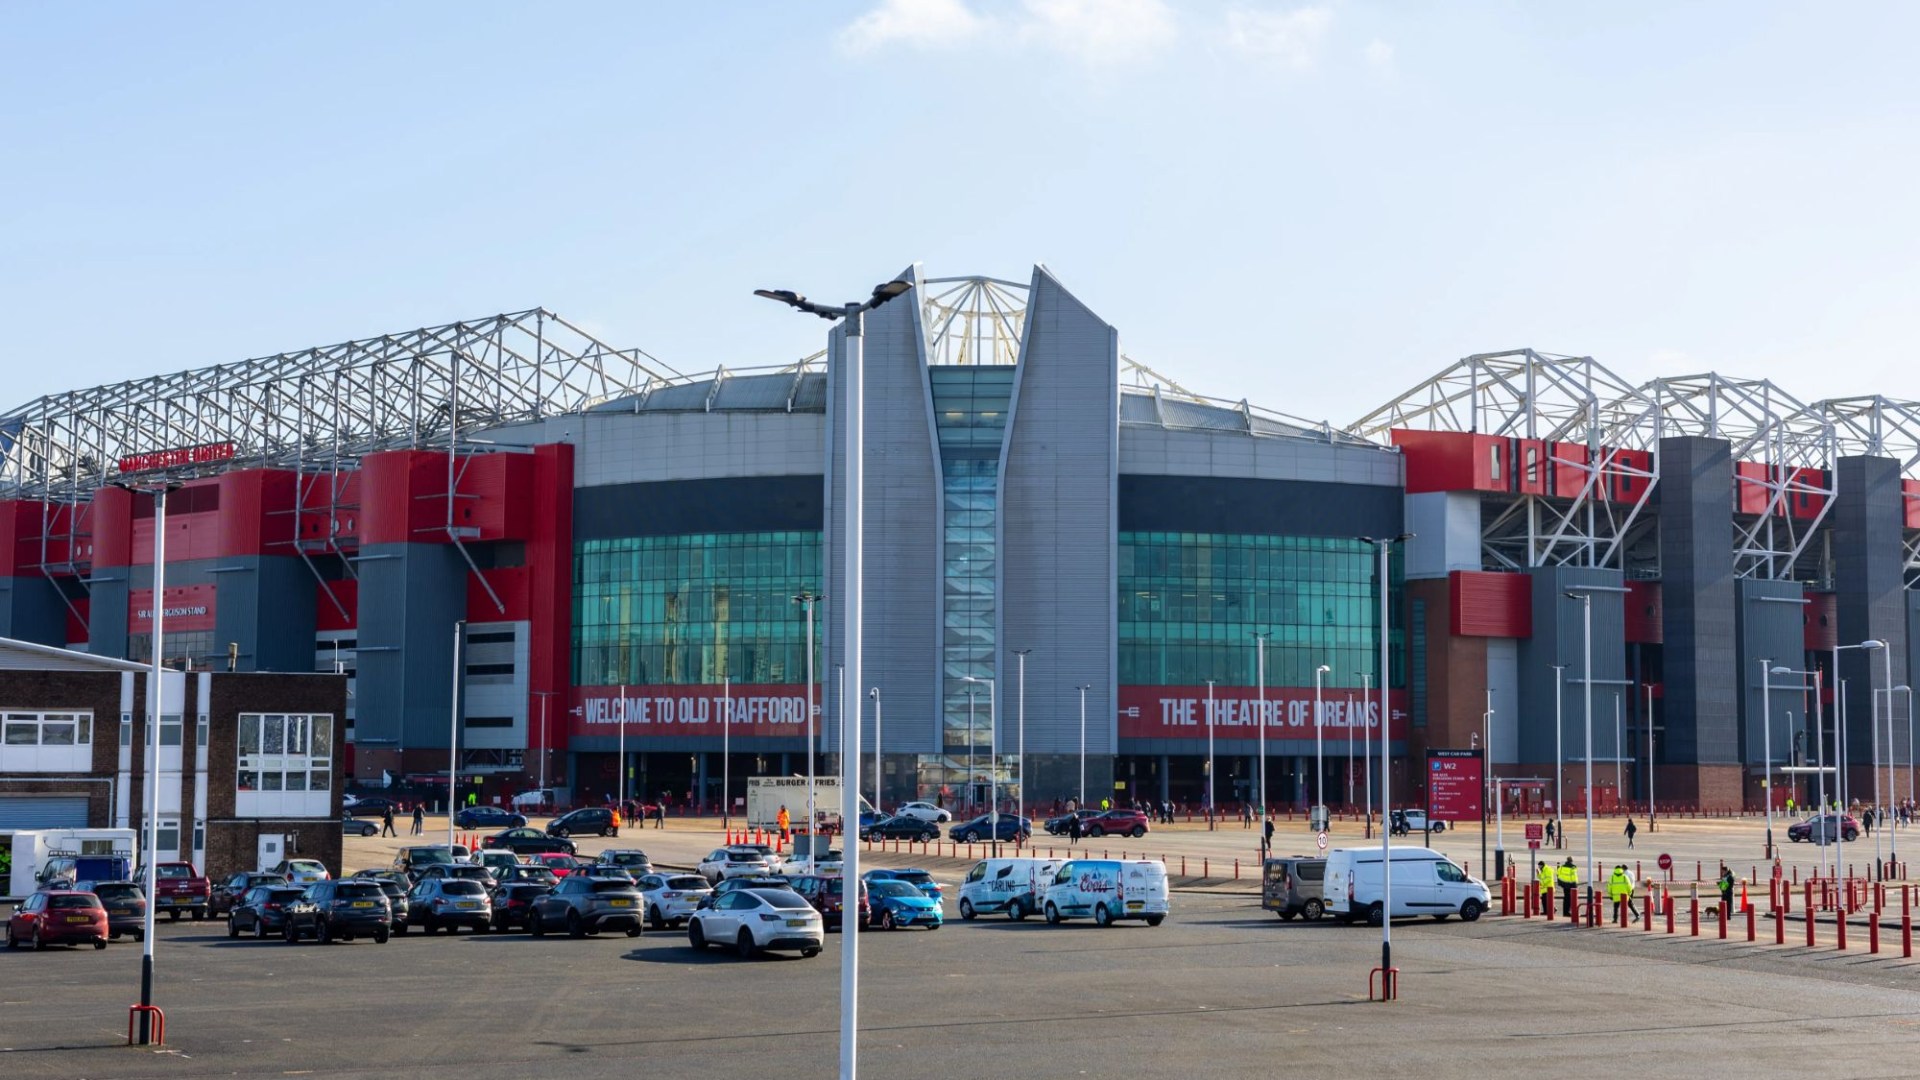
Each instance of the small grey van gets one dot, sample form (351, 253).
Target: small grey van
(1295, 886)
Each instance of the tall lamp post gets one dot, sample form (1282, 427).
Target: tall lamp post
(1319, 761)
(1873, 727)
(1020, 800)
(543, 695)
(1210, 803)
(971, 767)
(1767, 671)
(993, 760)
(1559, 758)
(453, 729)
(1586, 614)
(1260, 664)
(726, 753)
(150, 817)
(874, 693)
(1083, 688)
(1651, 770)
(1384, 546)
(807, 599)
(854, 315)
(1819, 750)
(1840, 728)
(1366, 749)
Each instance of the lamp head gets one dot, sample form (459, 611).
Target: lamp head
(1781, 669)
(888, 290)
(1323, 669)
(1873, 643)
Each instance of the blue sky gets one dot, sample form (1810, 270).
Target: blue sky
(1311, 205)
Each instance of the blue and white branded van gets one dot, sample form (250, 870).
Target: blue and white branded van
(1108, 889)
(1013, 886)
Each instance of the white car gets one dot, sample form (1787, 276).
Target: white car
(825, 864)
(497, 859)
(752, 920)
(925, 811)
(301, 871)
(726, 862)
(671, 899)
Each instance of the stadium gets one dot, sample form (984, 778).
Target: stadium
(1081, 578)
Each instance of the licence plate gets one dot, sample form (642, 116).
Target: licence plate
(169, 899)
(796, 922)
(620, 903)
(363, 903)
(467, 905)
(1135, 905)
(79, 919)
(122, 911)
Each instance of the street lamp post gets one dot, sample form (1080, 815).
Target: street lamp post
(1651, 769)
(726, 752)
(971, 767)
(623, 745)
(1767, 670)
(874, 693)
(543, 695)
(453, 728)
(993, 759)
(1083, 744)
(1586, 611)
(1559, 758)
(854, 315)
(807, 599)
(1319, 761)
(1210, 802)
(1260, 664)
(1020, 800)
(1386, 774)
(1840, 749)
(1366, 751)
(150, 817)
(1819, 755)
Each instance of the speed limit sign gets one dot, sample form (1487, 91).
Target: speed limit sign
(1322, 840)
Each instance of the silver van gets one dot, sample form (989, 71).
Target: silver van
(1295, 886)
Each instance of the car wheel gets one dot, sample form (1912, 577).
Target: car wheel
(289, 936)
(536, 925)
(1155, 920)
(1096, 831)
(1021, 838)
(429, 927)
(1376, 914)
(966, 910)
(1138, 831)
(233, 929)
(12, 942)
(744, 945)
(1314, 909)
(140, 935)
(1852, 835)
(323, 933)
(1053, 915)
(1286, 914)
(634, 930)
(37, 942)
(174, 915)
(561, 832)
(809, 953)
(1102, 915)
(400, 927)
(696, 937)
(1442, 916)
(969, 837)
(611, 832)
(1017, 911)
(653, 917)
(1470, 911)
(99, 943)
(575, 928)
(380, 936)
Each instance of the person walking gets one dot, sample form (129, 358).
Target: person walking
(1544, 879)
(419, 820)
(386, 822)
(1789, 806)
(1266, 837)
(1631, 829)
(660, 815)
(785, 821)
(1073, 831)
(1725, 882)
(1568, 877)
(1619, 890)
(1549, 830)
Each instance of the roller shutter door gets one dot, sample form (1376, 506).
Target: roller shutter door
(42, 812)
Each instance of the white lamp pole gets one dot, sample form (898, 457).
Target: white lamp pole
(971, 767)
(1083, 745)
(1366, 744)
(1210, 803)
(1386, 773)
(1319, 759)
(1586, 689)
(1020, 804)
(726, 752)
(156, 694)
(1766, 737)
(453, 729)
(993, 758)
(1559, 758)
(1260, 666)
(623, 745)
(874, 693)
(806, 600)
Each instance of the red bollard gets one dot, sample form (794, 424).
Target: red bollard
(1906, 935)
(1779, 928)
(1726, 913)
(1668, 898)
(1812, 919)
(1695, 917)
(1749, 922)
(1205, 867)
(1646, 913)
(1840, 918)
(1236, 869)
(1696, 869)
(1621, 915)
(1873, 933)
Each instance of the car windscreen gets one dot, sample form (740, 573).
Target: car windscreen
(891, 888)
(77, 900)
(458, 887)
(687, 882)
(282, 896)
(369, 891)
(125, 890)
(173, 871)
(913, 877)
(429, 856)
(784, 899)
(614, 885)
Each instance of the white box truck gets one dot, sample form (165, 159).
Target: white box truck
(32, 849)
(767, 794)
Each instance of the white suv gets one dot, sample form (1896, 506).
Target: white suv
(752, 920)
(728, 862)
(671, 899)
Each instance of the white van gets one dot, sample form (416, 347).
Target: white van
(1109, 889)
(1425, 882)
(1010, 885)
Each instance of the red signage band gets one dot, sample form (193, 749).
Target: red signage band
(205, 453)
(691, 710)
(1454, 780)
(185, 607)
(1180, 712)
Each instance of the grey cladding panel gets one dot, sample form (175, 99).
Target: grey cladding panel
(1701, 704)
(1869, 578)
(410, 597)
(1771, 628)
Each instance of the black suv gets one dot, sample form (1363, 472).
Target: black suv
(590, 821)
(342, 909)
(513, 903)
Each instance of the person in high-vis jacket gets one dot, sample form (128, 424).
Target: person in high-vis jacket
(1545, 881)
(1620, 890)
(1569, 879)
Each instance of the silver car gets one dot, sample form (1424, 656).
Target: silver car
(671, 899)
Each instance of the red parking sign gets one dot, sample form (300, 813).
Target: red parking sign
(1536, 831)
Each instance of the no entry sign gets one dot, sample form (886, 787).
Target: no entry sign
(1453, 785)
(1666, 861)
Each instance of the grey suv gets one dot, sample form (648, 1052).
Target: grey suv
(587, 905)
(448, 902)
(340, 909)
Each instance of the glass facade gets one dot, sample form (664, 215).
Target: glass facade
(1190, 604)
(970, 418)
(694, 609)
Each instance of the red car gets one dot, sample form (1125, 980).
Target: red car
(58, 917)
(559, 862)
(828, 895)
(1116, 823)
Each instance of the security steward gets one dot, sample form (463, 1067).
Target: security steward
(1569, 878)
(1619, 890)
(1545, 880)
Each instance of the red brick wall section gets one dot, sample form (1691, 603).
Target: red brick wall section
(98, 691)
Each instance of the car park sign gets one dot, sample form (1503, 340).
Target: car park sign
(1454, 779)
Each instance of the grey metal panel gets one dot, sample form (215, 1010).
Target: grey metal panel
(649, 447)
(1869, 561)
(1503, 678)
(42, 811)
(1446, 533)
(31, 610)
(1058, 525)
(754, 392)
(265, 604)
(1154, 451)
(1772, 627)
(687, 396)
(1701, 706)
(902, 519)
(410, 597)
(1559, 637)
(107, 612)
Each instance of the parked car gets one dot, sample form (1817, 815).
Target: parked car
(178, 887)
(1295, 886)
(1404, 822)
(1108, 890)
(126, 906)
(464, 872)
(301, 871)
(587, 905)
(559, 863)
(901, 827)
(925, 811)
(228, 892)
(497, 860)
(487, 817)
(353, 826)
(396, 894)
(412, 860)
(753, 920)
(1011, 885)
(370, 806)
(828, 897)
(912, 875)
(733, 861)
(533, 799)
(1063, 825)
(262, 910)
(1116, 822)
(896, 904)
(1425, 882)
(513, 903)
(527, 874)
(340, 909)
(452, 903)
(1011, 827)
(632, 860)
(588, 821)
(58, 917)
(527, 841)
(745, 881)
(1820, 830)
(670, 899)
(825, 864)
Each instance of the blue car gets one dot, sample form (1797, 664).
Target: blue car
(982, 828)
(896, 904)
(487, 817)
(913, 876)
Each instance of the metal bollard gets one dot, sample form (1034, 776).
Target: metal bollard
(1667, 899)
(1873, 933)
(1749, 922)
(1646, 914)
(1694, 907)
(1840, 918)
(1726, 914)
(1906, 935)
(1779, 928)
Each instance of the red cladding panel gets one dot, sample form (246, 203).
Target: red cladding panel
(1910, 500)
(1644, 615)
(19, 535)
(510, 585)
(112, 527)
(328, 617)
(78, 621)
(1750, 494)
(1569, 476)
(1822, 621)
(497, 496)
(1454, 461)
(1532, 471)
(1806, 505)
(1489, 604)
(1621, 485)
(550, 585)
(255, 515)
(403, 498)
(326, 511)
